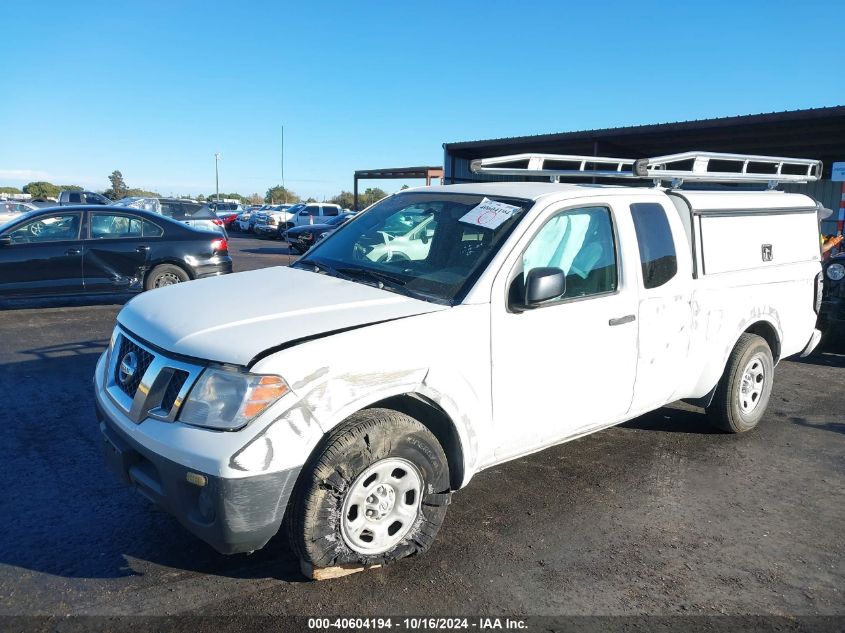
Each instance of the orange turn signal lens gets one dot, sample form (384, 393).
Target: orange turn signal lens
(266, 392)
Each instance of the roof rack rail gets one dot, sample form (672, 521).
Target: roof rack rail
(675, 168)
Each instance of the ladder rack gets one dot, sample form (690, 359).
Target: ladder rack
(675, 168)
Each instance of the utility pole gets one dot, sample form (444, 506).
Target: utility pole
(217, 177)
(284, 191)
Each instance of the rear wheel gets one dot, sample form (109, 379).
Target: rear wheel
(375, 492)
(743, 392)
(165, 275)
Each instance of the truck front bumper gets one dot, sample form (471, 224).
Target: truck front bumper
(265, 229)
(231, 513)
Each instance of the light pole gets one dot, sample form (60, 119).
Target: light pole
(217, 177)
(284, 191)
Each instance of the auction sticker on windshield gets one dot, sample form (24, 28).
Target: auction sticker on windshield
(490, 214)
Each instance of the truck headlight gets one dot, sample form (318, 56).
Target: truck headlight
(227, 400)
(835, 272)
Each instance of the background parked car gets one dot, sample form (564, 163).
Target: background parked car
(225, 208)
(227, 212)
(314, 213)
(187, 211)
(93, 249)
(301, 238)
(12, 209)
(81, 197)
(42, 203)
(273, 220)
(246, 220)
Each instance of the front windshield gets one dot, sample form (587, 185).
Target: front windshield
(431, 246)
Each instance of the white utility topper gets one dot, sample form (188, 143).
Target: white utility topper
(451, 328)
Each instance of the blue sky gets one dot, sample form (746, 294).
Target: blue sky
(154, 89)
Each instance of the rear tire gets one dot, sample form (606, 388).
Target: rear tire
(369, 495)
(743, 392)
(165, 275)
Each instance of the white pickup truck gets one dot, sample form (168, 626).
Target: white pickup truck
(348, 396)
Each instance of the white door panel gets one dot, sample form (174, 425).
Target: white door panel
(568, 365)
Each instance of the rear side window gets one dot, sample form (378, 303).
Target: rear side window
(152, 230)
(93, 198)
(172, 210)
(74, 197)
(331, 211)
(657, 247)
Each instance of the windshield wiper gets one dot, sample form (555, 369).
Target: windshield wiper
(319, 266)
(379, 276)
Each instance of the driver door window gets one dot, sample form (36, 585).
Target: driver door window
(54, 228)
(580, 243)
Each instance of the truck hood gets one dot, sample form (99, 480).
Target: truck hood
(234, 318)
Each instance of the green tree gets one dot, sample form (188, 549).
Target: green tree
(345, 199)
(278, 195)
(200, 198)
(10, 190)
(118, 187)
(370, 196)
(223, 196)
(255, 198)
(136, 192)
(71, 188)
(42, 189)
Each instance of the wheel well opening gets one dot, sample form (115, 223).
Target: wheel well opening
(438, 422)
(768, 332)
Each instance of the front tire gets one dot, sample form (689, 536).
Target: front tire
(165, 275)
(375, 491)
(743, 392)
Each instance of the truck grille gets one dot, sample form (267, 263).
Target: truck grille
(173, 389)
(146, 383)
(142, 359)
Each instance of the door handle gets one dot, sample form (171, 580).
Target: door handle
(142, 249)
(630, 318)
(73, 251)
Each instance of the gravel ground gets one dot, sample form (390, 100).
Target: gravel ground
(658, 516)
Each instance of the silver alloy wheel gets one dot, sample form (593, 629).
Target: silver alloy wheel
(381, 506)
(752, 384)
(166, 279)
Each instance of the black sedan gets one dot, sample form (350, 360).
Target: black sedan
(94, 249)
(301, 238)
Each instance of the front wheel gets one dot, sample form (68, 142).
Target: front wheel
(743, 392)
(376, 491)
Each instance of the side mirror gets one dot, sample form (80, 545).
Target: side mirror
(5, 240)
(543, 284)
